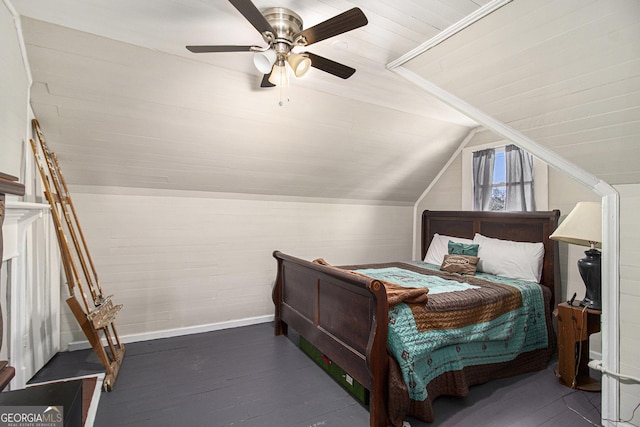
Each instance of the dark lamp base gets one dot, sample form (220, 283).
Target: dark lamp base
(590, 272)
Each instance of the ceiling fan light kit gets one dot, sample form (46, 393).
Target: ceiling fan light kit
(299, 64)
(280, 75)
(264, 60)
(282, 30)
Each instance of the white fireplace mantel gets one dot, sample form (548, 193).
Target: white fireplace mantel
(18, 216)
(33, 281)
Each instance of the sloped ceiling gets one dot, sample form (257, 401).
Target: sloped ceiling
(124, 104)
(566, 74)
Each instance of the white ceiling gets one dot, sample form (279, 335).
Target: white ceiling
(566, 74)
(123, 103)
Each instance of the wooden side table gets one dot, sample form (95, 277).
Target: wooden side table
(575, 325)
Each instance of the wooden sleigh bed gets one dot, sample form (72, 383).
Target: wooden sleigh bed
(346, 316)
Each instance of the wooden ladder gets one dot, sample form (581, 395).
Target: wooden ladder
(94, 312)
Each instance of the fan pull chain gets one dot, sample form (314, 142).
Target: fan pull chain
(284, 98)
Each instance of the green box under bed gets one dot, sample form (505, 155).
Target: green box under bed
(336, 372)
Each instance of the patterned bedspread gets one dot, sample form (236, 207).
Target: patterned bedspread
(478, 324)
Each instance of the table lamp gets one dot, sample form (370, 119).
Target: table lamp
(583, 226)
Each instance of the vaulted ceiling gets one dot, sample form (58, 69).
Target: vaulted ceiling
(123, 103)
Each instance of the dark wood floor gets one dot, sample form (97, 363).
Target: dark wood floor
(249, 377)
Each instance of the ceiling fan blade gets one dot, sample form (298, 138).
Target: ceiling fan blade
(346, 21)
(265, 81)
(230, 48)
(253, 15)
(329, 66)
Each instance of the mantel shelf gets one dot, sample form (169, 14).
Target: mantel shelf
(17, 205)
(18, 215)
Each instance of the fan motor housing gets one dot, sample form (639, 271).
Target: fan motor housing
(286, 22)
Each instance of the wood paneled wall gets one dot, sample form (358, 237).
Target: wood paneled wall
(186, 261)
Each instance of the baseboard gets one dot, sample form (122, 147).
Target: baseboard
(83, 345)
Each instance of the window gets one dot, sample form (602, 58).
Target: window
(499, 182)
(504, 174)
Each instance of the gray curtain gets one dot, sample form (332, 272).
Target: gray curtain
(519, 165)
(482, 179)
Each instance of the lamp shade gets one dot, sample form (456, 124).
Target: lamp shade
(279, 75)
(299, 64)
(583, 226)
(264, 60)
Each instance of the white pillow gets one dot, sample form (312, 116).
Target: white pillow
(516, 260)
(439, 247)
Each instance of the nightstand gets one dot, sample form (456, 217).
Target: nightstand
(575, 325)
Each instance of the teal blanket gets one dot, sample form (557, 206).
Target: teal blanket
(467, 321)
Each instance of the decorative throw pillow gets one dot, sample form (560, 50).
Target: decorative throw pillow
(462, 264)
(457, 248)
(438, 247)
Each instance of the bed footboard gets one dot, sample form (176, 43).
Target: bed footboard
(343, 315)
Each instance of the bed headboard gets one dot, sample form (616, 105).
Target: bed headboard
(518, 226)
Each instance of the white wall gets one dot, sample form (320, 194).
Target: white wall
(14, 90)
(181, 262)
(446, 194)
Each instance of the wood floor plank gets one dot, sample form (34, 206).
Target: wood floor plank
(248, 377)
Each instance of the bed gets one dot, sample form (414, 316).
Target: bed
(351, 313)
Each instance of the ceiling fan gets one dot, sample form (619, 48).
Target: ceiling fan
(282, 30)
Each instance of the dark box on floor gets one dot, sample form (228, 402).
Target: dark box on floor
(67, 394)
(336, 372)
